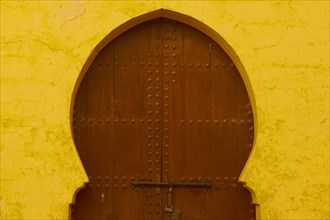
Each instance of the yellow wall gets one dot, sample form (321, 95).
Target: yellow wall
(284, 47)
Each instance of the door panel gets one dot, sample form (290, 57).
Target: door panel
(162, 103)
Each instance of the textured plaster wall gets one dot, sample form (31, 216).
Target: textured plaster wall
(284, 47)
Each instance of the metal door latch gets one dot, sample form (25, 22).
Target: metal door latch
(168, 206)
(173, 184)
(171, 214)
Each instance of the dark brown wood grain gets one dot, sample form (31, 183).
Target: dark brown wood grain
(163, 102)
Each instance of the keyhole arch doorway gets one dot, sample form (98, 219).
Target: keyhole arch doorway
(163, 100)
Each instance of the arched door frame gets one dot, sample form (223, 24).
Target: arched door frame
(199, 26)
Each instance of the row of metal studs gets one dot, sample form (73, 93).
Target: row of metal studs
(173, 55)
(154, 85)
(190, 121)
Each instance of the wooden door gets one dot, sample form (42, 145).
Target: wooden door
(163, 125)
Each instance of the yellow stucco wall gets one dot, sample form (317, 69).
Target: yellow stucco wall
(284, 47)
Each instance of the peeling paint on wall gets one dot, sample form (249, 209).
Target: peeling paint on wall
(283, 45)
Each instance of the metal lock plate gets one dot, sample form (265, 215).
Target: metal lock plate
(168, 208)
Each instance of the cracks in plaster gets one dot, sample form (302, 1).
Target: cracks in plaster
(278, 40)
(6, 43)
(74, 18)
(49, 46)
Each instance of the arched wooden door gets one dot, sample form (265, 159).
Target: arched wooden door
(163, 125)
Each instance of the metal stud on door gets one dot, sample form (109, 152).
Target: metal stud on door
(163, 125)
